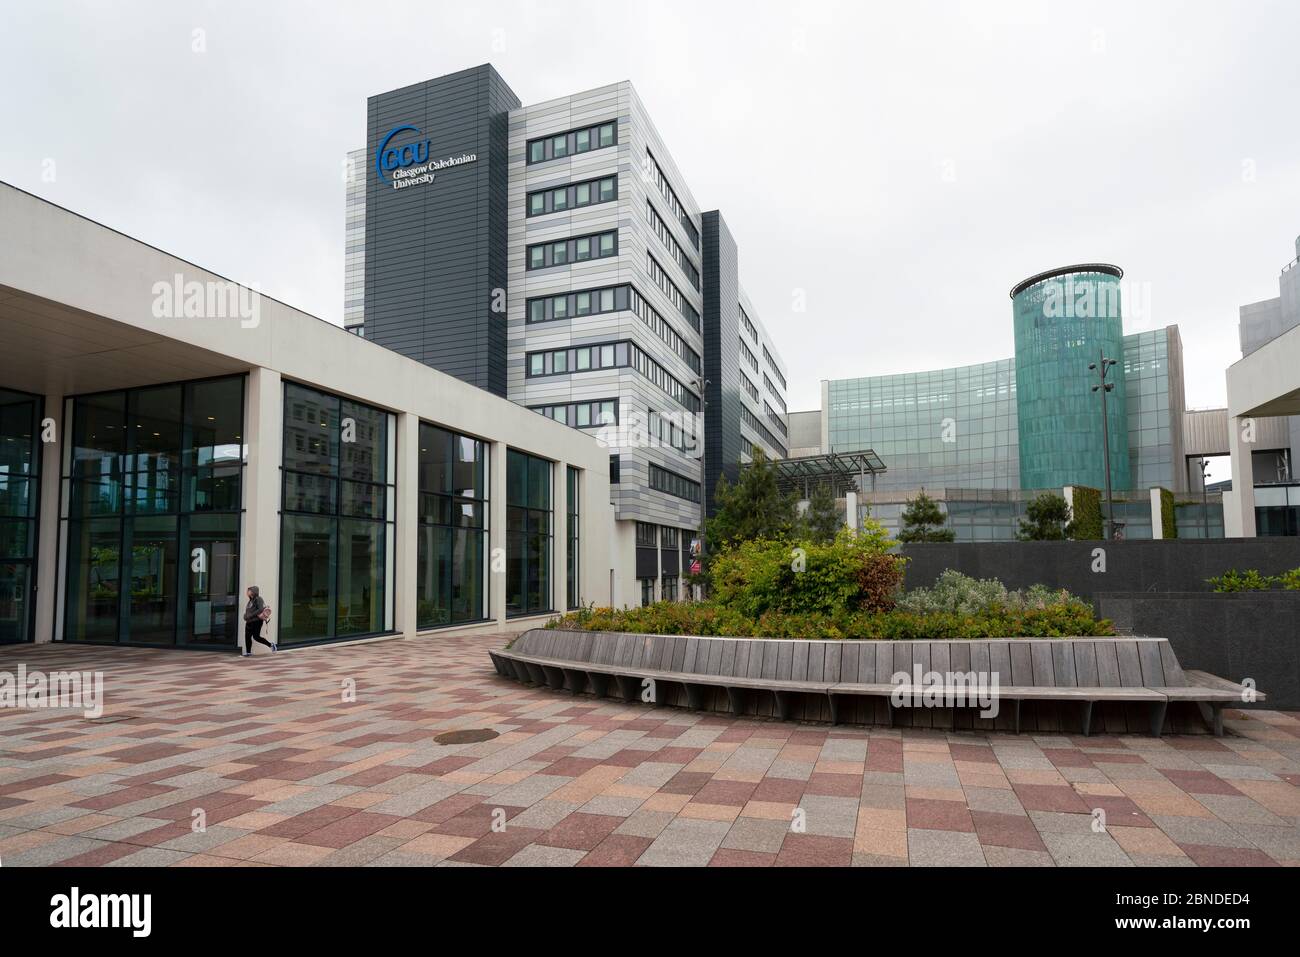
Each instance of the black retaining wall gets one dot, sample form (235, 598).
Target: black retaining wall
(1236, 636)
(1133, 566)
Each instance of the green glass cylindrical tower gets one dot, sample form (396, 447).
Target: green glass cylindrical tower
(1066, 319)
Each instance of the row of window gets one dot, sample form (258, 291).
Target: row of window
(576, 249)
(675, 296)
(671, 433)
(649, 535)
(751, 420)
(582, 415)
(771, 364)
(670, 483)
(670, 243)
(748, 356)
(592, 302)
(573, 142)
(574, 196)
(750, 389)
(748, 324)
(772, 391)
(776, 419)
(610, 355)
(674, 204)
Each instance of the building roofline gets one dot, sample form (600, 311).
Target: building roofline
(1105, 268)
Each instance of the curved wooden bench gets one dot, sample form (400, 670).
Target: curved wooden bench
(1078, 672)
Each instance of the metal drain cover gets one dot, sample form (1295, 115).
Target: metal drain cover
(466, 736)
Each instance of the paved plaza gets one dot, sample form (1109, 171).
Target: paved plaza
(327, 756)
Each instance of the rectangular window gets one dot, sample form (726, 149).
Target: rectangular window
(670, 483)
(574, 589)
(582, 414)
(563, 251)
(528, 534)
(573, 196)
(451, 563)
(337, 521)
(582, 140)
(153, 481)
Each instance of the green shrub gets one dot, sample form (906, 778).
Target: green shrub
(1087, 524)
(853, 572)
(1290, 580)
(1062, 618)
(1249, 580)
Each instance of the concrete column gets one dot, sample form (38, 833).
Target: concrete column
(48, 571)
(1239, 504)
(497, 533)
(1157, 515)
(407, 528)
(851, 510)
(259, 543)
(560, 537)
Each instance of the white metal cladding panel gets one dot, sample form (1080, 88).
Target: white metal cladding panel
(636, 394)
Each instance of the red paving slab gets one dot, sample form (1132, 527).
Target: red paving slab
(289, 772)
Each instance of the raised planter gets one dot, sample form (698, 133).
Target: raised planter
(1239, 635)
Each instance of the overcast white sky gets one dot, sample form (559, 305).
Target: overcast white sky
(899, 166)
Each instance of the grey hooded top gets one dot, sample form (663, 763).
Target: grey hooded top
(255, 604)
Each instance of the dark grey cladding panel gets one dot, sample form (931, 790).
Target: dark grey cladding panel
(435, 252)
(723, 442)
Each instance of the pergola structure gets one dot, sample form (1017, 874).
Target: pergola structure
(845, 471)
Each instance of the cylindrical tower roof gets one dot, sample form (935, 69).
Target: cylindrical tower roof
(1106, 269)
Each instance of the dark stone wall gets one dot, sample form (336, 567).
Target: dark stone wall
(1150, 566)
(435, 253)
(1236, 636)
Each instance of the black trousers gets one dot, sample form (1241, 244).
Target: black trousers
(253, 632)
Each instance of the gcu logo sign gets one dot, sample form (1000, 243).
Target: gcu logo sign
(388, 159)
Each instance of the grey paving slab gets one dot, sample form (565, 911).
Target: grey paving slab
(927, 848)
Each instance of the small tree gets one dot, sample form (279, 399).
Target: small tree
(823, 519)
(753, 507)
(1047, 519)
(923, 521)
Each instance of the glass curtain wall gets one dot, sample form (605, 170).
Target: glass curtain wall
(528, 534)
(20, 416)
(336, 534)
(153, 479)
(452, 562)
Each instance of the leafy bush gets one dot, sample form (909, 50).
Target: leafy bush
(959, 594)
(1290, 580)
(1060, 618)
(1249, 580)
(1088, 524)
(854, 572)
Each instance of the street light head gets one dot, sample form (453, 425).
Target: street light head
(1094, 388)
(1092, 367)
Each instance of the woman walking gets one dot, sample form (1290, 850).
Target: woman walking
(255, 616)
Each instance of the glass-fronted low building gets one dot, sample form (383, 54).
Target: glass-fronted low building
(169, 438)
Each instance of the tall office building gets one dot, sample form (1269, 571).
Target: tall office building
(554, 254)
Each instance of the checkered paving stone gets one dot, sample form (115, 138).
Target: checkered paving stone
(287, 771)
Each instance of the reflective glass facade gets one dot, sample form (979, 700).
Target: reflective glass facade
(950, 427)
(152, 484)
(336, 531)
(452, 560)
(528, 534)
(1062, 324)
(1151, 430)
(20, 417)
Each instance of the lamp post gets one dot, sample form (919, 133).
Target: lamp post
(1101, 368)
(1205, 498)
